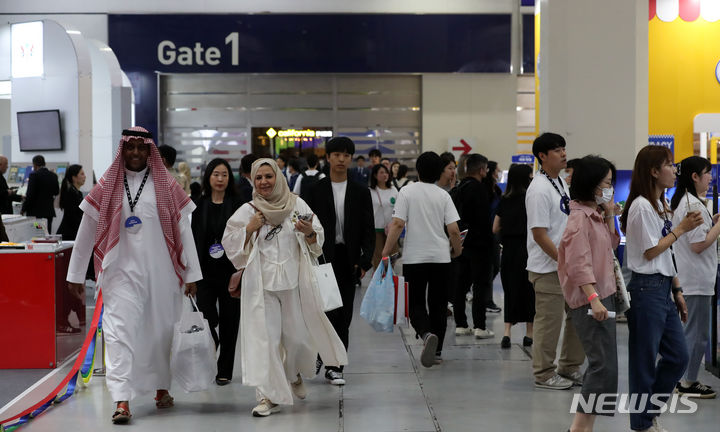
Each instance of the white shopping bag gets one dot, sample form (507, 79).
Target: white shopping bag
(327, 284)
(192, 358)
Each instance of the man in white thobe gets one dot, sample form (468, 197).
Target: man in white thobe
(136, 223)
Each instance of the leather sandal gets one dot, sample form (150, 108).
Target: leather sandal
(121, 415)
(165, 401)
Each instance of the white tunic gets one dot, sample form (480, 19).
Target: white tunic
(141, 292)
(255, 338)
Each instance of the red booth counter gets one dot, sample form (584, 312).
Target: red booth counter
(35, 305)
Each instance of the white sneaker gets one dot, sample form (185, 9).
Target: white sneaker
(463, 331)
(483, 334)
(576, 377)
(555, 382)
(265, 408)
(298, 388)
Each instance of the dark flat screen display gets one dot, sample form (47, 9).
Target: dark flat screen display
(39, 130)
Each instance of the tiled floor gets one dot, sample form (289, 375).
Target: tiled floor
(479, 387)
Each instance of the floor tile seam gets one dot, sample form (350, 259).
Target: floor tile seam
(418, 376)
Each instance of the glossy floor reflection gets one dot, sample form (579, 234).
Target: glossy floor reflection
(479, 387)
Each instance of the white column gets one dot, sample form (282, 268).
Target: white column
(593, 73)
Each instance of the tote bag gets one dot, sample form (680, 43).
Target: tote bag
(328, 287)
(192, 356)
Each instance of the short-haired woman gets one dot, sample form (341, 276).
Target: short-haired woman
(587, 277)
(655, 294)
(696, 256)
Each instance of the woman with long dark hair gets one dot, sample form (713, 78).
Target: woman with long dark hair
(383, 195)
(656, 297)
(511, 224)
(216, 205)
(696, 257)
(70, 199)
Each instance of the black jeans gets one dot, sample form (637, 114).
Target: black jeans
(471, 269)
(431, 281)
(212, 293)
(341, 318)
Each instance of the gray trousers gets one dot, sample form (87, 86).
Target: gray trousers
(697, 332)
(598, 339)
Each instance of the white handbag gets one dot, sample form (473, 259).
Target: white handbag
(328, 287)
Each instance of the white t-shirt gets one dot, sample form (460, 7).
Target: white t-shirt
(542, 203)
(426, 210)
(298, 182)
(383, 204)
(696, 272)
(339, 190)
(644, 231)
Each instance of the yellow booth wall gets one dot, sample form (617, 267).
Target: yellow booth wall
(682, 83)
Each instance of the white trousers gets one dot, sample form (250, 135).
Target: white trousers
(289, 342)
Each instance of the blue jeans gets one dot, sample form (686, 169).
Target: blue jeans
(655, 328)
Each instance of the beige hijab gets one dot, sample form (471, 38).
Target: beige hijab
(281, 201)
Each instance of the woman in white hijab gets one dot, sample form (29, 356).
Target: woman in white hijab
(277, 239)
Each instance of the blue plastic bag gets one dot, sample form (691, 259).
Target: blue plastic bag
(379, 302)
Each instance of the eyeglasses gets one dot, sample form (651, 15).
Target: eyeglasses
(677, 168)
(273, 232)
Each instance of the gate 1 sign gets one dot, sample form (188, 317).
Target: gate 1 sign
(663, 140)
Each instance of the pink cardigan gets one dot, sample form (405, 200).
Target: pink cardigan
(585, 255)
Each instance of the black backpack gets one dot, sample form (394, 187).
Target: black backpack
(308, 183)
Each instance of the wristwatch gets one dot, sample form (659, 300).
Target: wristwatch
(311, 235)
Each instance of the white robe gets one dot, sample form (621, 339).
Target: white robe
(141, 293)
(254, 340)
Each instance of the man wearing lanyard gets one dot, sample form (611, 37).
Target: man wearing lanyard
(548, 206)
(136, 226)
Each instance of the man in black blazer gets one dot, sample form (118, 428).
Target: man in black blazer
(345, 211)
(42, 189)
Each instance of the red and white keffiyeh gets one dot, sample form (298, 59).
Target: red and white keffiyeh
(108, 195)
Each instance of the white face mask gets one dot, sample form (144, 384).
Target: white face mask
(607, 194)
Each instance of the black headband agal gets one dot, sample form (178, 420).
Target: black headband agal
(141, 134)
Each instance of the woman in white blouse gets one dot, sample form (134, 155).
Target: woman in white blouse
(277, 240)
(655, 294)
(696, 256)
(383, 195)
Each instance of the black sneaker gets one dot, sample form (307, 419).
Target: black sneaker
(492, 308)
(527, 341)
(505, 342)
(696, 390)
(335, 377)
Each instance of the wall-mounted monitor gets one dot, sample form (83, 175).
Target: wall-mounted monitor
(39, 130)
